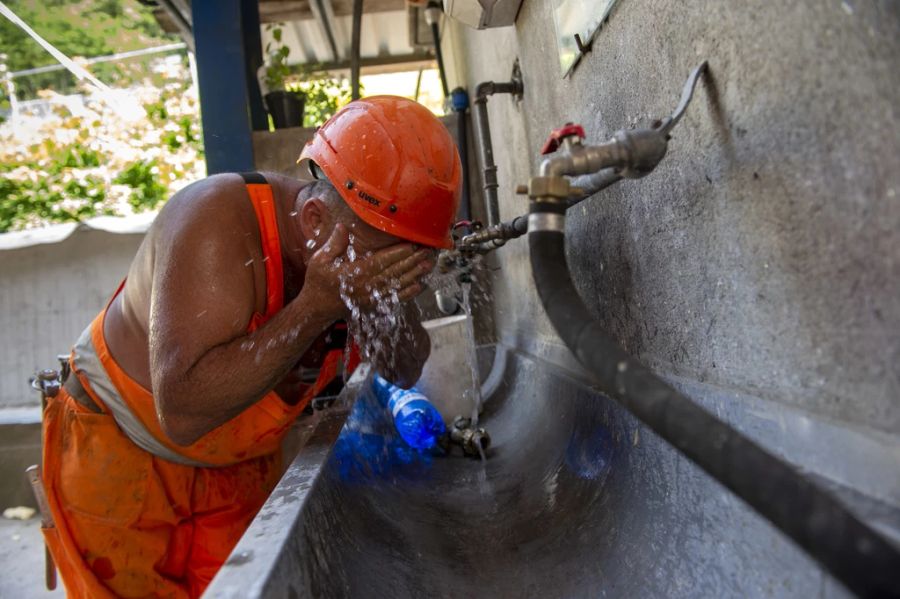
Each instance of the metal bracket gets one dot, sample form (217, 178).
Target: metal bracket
(582, 47)
(516, 77)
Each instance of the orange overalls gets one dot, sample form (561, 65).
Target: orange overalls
(130, 523)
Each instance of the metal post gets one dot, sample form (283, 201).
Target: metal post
(254, 59)
(223, 85)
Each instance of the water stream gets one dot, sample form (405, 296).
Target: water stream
(471, 357)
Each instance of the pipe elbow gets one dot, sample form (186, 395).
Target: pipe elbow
(483, 90)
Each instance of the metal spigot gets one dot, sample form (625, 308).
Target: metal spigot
(47, 382)
(474, 441)
(633, 153)
(495, 236)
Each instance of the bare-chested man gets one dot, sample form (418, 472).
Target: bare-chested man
(165, 440)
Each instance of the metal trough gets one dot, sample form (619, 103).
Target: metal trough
(576, 499)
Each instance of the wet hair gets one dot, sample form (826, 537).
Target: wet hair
(325, 191)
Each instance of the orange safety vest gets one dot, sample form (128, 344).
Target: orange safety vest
(136, 515)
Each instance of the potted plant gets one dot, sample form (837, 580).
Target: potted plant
(286, 107)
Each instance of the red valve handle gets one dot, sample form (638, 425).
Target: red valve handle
(557, 135)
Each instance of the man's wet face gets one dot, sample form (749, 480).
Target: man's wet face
(366, 238)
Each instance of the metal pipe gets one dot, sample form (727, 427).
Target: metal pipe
(495, 236)
(460, 102)
(593, 183)
(433, 18)
(355, 43)
(485, 147)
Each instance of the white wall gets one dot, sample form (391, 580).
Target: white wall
(48, 294)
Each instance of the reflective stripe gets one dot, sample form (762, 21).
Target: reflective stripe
(87, 362)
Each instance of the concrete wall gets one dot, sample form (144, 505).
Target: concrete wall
(758, 267)
(50, 293)
(764, 253)
(278, 150)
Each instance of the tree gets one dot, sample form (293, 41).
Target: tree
(78, 28)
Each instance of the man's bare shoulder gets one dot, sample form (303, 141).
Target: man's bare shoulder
(210, 228)
(219, 201)
(206, 241)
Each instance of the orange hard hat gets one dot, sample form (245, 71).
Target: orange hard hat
(395, 164)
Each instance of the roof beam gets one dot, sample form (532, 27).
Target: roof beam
(324, 14)
(282, 11)
(372, 64)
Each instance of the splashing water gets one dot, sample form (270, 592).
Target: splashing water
(380, 327)
(351, 251)
(471, 358)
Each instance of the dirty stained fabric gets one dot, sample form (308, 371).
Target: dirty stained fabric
(128, 521)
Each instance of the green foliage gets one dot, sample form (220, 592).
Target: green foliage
(277, 52)
(78, 28)
(324, 97)
(69, 167)
(25, 202)
(147, 192)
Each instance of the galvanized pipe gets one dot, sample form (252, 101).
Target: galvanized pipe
(433, 18)
(485, 147)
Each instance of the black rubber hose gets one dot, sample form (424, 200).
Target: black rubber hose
(856, 555)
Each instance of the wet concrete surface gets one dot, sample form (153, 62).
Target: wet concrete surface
(22, 561)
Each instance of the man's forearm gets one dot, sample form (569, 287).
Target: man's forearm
(232, 376)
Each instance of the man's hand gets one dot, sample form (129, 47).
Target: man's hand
(337, 283)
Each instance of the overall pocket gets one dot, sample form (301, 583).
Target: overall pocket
(102, 474)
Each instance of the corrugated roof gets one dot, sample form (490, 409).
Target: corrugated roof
(390, 31)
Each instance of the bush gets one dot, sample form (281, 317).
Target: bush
(324, 97)
(89, 160)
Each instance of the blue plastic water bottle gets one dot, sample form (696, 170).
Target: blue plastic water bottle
(417, 421)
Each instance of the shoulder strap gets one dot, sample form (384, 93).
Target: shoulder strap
(263, 201)
(253, 178)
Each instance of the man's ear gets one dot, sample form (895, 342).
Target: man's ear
(316, 221)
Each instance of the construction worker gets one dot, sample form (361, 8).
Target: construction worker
(165, 440)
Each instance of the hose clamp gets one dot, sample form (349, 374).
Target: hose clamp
(546, 221)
